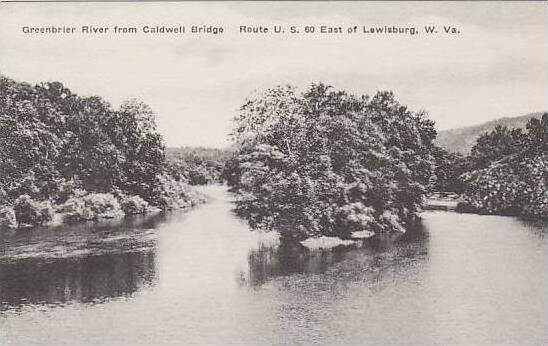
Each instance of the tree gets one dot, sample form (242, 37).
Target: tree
(135, 133)
(28, 145)
(537, 135)
(327, 162)
(494, 145)
(449, 168)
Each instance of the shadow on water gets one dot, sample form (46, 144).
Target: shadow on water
(286, 257)
(87, 263)
(86, 280)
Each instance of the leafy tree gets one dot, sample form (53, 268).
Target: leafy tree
(495, 145)
(327, 162)
(28, 145)
(537, 135)
(448, 171)
(135, 133)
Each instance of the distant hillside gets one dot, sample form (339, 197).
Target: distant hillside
(462, 140)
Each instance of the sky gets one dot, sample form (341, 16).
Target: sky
(195, 84)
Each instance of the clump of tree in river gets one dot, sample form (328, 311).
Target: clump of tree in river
(80, 157)
(509, 172)
(328, 162)
(198, 165)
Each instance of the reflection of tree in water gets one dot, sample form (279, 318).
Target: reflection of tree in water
(287, 258)
(538, 227)
(63, 280)
(78, 263)
(375, 255)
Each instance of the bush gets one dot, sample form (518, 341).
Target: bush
(510, 175)
(31, 212)
(175, 194)
(92, 207)
(133, 205)
(7, 218)
(516, 187)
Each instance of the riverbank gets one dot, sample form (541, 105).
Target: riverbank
(447, 201)
(87, 207)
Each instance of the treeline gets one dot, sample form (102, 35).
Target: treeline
(326, 162)
(78, 157)
(198, 165)
(321, 162)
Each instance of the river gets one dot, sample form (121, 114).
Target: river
(202, 277)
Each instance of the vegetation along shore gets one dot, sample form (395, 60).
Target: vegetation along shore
(318, 163)
(76, 158)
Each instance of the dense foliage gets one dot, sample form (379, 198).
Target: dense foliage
(92, 206)
(497, 144)
(448, 171)
(511, 172)
(57, 146)
(328, 162)
(198, 165)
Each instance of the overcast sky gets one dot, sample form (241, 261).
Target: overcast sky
(195, 84)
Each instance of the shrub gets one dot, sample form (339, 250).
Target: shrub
(31, 212)
(516, 187)
(7, 218)
(510, 178)
(175, 194)
(133, 205)
(67, 189)
(92, 206)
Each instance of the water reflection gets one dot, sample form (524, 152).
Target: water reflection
(64, 280)
(464, 279)
(87, 263)
(285, 258)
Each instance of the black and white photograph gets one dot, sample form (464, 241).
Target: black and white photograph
(273, 173)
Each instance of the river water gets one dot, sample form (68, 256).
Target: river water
(202, 277)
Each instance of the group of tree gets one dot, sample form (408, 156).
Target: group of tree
(508, 172)
(326, 162)
(61, 151)
(320, 162)
(198, 165)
